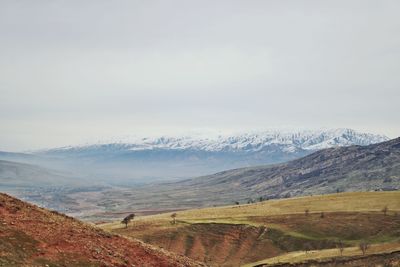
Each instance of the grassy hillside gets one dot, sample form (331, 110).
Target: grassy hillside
(342, 202)
(240, 234)
(32, 236)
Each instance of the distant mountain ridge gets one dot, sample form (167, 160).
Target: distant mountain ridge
(354, 168)
(252, 141)
(137, 160)
(341, 168)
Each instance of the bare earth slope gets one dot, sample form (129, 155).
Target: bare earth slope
(32, 236)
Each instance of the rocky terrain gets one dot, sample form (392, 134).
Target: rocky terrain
(354, 168)
(32, 236)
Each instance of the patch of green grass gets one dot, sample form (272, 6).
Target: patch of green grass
(292, 241)
(384, 239)
(15, 246)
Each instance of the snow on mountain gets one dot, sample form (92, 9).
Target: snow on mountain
(131, 159)
(288, 141)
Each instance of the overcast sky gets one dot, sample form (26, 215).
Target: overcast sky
(72, 71)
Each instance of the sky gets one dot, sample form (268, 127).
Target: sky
(73, 71)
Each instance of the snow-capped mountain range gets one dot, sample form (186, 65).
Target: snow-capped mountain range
(132, 159)
(290, 141)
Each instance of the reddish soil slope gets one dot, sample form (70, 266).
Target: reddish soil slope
(32, 236)
(217, 244)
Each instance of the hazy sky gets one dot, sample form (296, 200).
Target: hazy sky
(72, 71)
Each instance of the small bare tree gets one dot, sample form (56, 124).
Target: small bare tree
(307, 247)
(363, 247)
(250, 201)
(173, 216)
(340, 247)
(127, 219)
(385, 210)
(306, 212)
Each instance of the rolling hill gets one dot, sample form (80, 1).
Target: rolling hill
(32, 236)
(343, 169)
(46, 187)
(280, 232)
(15, 175)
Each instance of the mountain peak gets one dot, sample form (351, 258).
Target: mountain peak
(290, 140)
(184, 156)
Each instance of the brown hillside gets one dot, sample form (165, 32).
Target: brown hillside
(244, 234)
(223, 244)
(32, 236)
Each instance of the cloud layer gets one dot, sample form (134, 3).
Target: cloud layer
(73, 70)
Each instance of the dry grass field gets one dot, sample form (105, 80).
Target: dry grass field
(326, 254)
(342, 202)
(242, 234)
